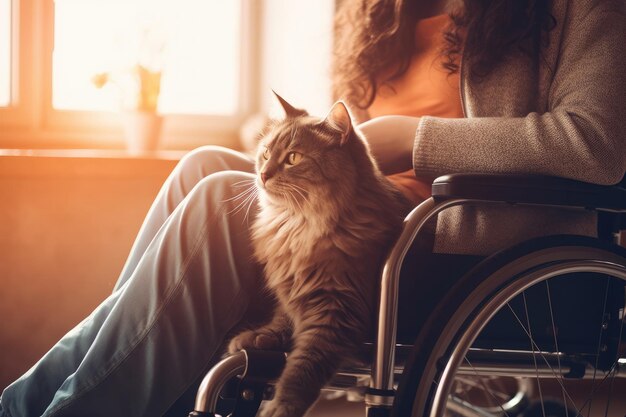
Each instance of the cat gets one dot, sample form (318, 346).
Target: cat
(327, 217)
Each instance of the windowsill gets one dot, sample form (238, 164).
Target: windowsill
(167, 155)
(86, 163)
(103, 139)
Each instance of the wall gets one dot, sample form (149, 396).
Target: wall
(296, 53)
(67, 224)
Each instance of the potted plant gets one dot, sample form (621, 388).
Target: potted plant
(139, 86)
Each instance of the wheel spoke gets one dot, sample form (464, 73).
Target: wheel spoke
(595, 389)
(490, 396)
(542, 356)
(613, 370)
(593, 380)
(473, 384)
(532, 345)
(484, 385)
(615, 363)
(556, 345)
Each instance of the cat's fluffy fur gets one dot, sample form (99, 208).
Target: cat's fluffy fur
(324, 226)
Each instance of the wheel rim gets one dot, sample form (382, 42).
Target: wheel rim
(501, 299)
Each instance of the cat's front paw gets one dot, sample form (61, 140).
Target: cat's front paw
(281, 409)
(255, 339)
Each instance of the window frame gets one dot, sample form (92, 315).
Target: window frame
(31, 122)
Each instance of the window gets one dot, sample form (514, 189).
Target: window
(218, 61)
(202, 51)
(193, 43)
(5, 52)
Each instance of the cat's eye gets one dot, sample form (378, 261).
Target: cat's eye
(293, 158)
(266, 154)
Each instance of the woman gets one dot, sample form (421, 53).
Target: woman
(541, 90)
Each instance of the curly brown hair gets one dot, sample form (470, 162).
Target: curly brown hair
(372, 38)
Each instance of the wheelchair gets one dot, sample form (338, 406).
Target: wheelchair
(533, 330)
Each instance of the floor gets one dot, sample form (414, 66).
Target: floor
(342, 408)
(336, 408)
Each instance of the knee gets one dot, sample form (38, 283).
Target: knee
(203, 162)
(224, 189)
(206, 160)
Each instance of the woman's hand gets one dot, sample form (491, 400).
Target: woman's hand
(391, 139)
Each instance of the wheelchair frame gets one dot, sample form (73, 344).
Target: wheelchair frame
(448, 191)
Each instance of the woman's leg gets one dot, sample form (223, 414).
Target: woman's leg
(193, 167)
(159, 330)
(196, 165)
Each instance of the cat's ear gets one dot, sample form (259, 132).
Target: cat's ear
(339, 119)
(290, 111)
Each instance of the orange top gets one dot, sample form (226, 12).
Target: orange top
(426, 88)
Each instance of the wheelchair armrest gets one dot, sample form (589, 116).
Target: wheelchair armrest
(530, 189)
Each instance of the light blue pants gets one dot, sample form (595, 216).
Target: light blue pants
(188, 281)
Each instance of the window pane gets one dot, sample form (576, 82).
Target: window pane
(5, 52)
(195, 44)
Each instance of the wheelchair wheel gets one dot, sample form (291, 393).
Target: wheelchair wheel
(549, 311)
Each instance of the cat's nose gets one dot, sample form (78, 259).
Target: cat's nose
(264, 177)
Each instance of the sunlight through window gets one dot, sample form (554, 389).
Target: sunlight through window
(193, 44)
(5, 52)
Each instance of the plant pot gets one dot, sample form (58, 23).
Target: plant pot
(142, 131)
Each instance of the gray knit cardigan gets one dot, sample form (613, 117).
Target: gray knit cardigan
(562, 115)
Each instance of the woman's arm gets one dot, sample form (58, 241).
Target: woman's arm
(391, 139)
(582, 135)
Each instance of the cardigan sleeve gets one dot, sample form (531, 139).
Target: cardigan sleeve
(581, 136)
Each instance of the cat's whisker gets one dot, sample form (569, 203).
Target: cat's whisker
(297, 201)
(251, 201)
(240, 195)
(291, 188)
(287, 198)
(240, 206)
(284, 197)
(251, 195)
(299, 187)
(247, 180)
(245, 195)
(295, 198)
(301, 191)
(246, 202)
(243, 183)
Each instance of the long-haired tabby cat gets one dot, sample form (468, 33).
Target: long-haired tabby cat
(327, 218)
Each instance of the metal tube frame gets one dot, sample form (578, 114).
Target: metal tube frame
(383, 366)
(211, 385)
